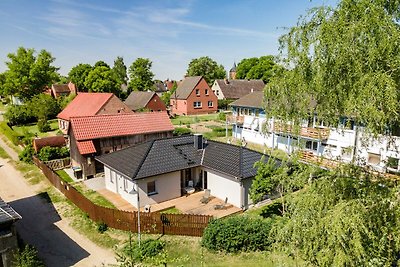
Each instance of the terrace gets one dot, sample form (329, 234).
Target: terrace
(189, 204)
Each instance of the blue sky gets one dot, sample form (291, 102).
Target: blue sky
(169, 32)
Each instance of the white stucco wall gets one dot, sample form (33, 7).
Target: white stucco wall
(168, 186)
(222, 187)
(120, 185)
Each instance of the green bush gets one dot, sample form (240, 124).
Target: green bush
(28, 257)
(181, 131)
(148, 248)
(9, 133)
(101, 227)
(271, 210)
(222, 116)
(43, 126)
(49, 153)
(238, 233)
(19, 115)
(26, 154)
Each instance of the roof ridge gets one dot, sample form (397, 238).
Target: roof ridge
(143, 159)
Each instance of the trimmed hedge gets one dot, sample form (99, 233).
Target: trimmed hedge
(238, 233)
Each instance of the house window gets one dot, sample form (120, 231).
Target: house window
(217, 92)
(374, 159)
(257, 112)
(392, 163)
(111, 176)
(198, 92)
(312, 145)
(197, 104)
(151, 188)
(126, 185)
(206, 91)
(210, 104)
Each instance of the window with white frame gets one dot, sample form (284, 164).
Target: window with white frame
(210, 104)
(151, 188)
(206, 91)
(197, 104)
(198, 92)
(111, 176)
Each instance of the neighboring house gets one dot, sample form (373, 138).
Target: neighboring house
(345, 142)
(193, 96)
(160, 88)
(235, 89)
(161, 169)
(89, 104)
(150, 101)
(58, 90)
(92, 136)
(8, 235)
(52, 141)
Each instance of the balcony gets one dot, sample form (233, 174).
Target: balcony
(235, 119)
(310, 157)
(314, 133)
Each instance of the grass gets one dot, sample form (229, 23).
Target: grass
(171, 210)
(93, 196)
(3, 154)
(63, 175)
(180, 120)
(33, 129)
(30, 172)
(187, 251)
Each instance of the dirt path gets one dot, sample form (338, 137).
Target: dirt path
(58, 244)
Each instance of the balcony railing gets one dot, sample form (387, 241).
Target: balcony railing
(310, 157)
(315, 133)
(235, 119)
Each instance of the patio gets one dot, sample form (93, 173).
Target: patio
(189, 204)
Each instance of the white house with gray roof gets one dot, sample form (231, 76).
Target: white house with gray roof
(160, 170)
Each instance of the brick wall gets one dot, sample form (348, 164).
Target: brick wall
(114, 106)
(156, 104)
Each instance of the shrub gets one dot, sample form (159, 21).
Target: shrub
(43, 126)
(238, 233)
(222, 116)
(181, 131)
(26, 154)
(271, 210)
(148, 248)
(27, 257)
(49, 153)
(101, 227)
(19, 115)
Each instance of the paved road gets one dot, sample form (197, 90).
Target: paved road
(41, 225)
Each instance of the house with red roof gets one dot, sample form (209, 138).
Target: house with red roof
(97, 135)
(90, 104)
(150, 101)
(193, 96)
(58, 90)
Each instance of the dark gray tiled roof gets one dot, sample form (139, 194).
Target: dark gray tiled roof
(178, 153)
(137, 100)
(7, 214)
(235, 89)
(254, 100)
(186, 87)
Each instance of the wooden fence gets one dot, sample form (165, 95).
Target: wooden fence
(58, 164)
(154, 223)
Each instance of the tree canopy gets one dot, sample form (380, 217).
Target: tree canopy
(141, 76)
(28, 74)
(206, 67)
(262, 68)
(78, 75)
(102, 79)
(119, 69)
(345, 59)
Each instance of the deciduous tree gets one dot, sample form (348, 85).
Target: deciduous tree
(102, 79)
(28, 74)
(346, 61)
(78, 75)
(141, 76)
(206, 67)
(262, 68)
(119, 69)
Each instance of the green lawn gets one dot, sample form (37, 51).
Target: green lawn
(63, 175)
(93, 196)
(171, 210)
(33, 129)
(3, 154)
(180, 120)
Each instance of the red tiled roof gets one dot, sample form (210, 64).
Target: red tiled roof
(101, 126)
(85, 104)
(86, 147)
